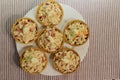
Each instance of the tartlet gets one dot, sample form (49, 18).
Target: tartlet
(76, 33)
(25, 30)
(66, 61)
(50, 39)
(49, 13)
(33, 60)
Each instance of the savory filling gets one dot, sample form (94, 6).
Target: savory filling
(51, 40)
(76, 33)
(25, 30)
(50, 13)
(33, 61)
(66, 61)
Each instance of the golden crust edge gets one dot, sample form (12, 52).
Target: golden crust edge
(67, 27)
(38, 31)
(27, 48)
(65, 48)
(41, 21)
(50, 52)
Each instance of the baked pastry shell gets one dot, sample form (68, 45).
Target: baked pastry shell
(13, 27)
(50, 52)
(69, 23)
(23, 53)
(62, 49)
(37, 13)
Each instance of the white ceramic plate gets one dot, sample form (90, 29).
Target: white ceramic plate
(69, 14)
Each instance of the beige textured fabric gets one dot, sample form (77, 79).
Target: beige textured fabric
(102, 60)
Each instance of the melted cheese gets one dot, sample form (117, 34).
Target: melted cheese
(77, 33)
(51, 40)
(50, 13)
(33, 61)
(64, 60)
(25, 30)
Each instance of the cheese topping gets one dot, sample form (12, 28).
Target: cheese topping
(33, 61)
(50, 13)
(51, 39)
(66, 61)
(76, 33)
(25, 30)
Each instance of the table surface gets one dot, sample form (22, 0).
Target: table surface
(102, 60)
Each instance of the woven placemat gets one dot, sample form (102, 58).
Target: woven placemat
(102, 60)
